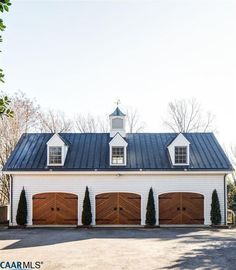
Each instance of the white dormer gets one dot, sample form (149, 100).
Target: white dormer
(179, 151)
(118, 151)
(56, 151)
(117, 123)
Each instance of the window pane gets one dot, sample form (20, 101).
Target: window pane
(180, 154)
(55, 155)
(117, 155)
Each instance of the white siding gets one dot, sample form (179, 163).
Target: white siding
(140, 184)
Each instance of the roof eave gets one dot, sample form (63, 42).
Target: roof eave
(116, 172)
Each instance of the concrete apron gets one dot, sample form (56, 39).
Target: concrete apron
(120, 226)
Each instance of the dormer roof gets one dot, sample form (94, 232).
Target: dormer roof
(118, 140)
(57, 139)
(179, 139)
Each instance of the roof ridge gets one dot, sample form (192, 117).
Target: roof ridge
(93, 133)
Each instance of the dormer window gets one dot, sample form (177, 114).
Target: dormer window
(181, 154)
(55, 155)
(179, 150)
(57, 150)
(118, 156)
(118, 151)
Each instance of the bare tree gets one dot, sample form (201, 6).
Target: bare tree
(55, 122)
(134, 124)
(25, 120)
(188, 116)
(90, 124)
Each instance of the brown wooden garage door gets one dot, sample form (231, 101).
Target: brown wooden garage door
(181, 208)
(118, 208)
(55, 209)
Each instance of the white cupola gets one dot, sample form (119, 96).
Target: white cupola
(117, 123)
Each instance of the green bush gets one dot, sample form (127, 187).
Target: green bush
(151, 212)
(231, 195)
(21, 216)
(86, 214)
(215, 209)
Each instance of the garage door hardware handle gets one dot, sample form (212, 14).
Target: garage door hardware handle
(115, 209)
(178, 208)
(52, 209)
(58, 209)
(184, 208)
(121, 208)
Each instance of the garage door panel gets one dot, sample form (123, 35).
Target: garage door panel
(192, 205)
(129, 208)
(169, 208)
(67, 207)
(44, 209)
(130, 201)
(106, 208)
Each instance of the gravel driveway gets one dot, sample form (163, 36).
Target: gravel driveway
(172, 248)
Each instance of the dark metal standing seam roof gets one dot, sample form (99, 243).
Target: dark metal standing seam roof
(90, 151)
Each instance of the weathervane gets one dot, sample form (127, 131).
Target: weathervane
(117, 102)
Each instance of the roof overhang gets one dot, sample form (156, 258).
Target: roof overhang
(140, 172)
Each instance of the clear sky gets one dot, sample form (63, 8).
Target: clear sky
(80, 56)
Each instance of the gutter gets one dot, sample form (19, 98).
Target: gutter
(116, 173)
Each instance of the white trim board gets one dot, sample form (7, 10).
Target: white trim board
(117, 173)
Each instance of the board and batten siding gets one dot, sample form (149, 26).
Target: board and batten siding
(97, 184)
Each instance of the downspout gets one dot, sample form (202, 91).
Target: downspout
(11, 200)
(225, 199)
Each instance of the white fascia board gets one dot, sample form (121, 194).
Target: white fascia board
(117, 172)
